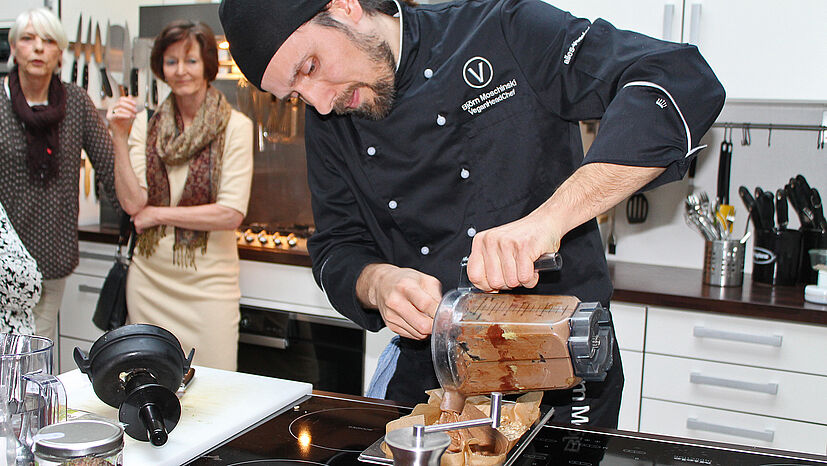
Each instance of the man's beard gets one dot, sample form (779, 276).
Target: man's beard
(384, 87)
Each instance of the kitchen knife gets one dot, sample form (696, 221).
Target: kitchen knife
(781, 212)
(749, 202)
(818, 212)
(87, 54)
(801, 193)
(140, 61)
(76, 49)
(768, 207)
(127, 62)
(87, 174)
(106, 88)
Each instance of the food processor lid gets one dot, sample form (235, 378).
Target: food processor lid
(137, 346)
(78, 438)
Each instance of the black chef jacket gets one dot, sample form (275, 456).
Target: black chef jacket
(483, 130)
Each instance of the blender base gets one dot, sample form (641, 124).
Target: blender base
(815, 294)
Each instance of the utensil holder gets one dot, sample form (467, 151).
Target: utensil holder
(775, 257)
(810, 239)
(724, 263)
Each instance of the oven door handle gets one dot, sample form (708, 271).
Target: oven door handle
(261, 340)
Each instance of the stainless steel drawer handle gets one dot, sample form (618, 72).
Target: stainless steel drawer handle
(768, 388)
(89, 289)
(768, 340)
(261, 340)
(96, 256)
(763, 435)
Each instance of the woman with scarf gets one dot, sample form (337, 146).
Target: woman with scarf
(44, 124)
(184, 175)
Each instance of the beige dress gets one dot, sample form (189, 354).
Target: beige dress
(199, 306)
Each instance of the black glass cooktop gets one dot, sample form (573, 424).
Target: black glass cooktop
(328, 430)
(324, 430)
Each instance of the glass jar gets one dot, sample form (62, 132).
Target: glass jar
(82, 442)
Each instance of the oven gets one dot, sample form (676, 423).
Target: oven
(324, 351)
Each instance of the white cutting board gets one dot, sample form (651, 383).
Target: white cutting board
(216, 406)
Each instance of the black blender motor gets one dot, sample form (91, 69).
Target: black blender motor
(138, 368)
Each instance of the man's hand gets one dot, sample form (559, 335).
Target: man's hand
(406, 298)
(503, 257)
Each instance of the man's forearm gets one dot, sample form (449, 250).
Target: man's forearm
(591, 190)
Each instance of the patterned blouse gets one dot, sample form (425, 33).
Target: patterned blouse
(46, 217)
(20, 284)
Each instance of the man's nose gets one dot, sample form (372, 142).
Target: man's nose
(318, 96)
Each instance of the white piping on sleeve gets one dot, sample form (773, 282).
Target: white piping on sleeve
(321, 275)
(689, 149)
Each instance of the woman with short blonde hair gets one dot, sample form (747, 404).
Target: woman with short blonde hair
(44, 125)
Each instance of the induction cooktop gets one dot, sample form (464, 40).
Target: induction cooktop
(326, 429)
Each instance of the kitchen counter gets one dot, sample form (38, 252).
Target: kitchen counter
(636, 283)
(331, 428)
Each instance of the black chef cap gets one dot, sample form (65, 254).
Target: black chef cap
(256, 29)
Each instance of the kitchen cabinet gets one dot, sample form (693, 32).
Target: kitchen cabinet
(75, 327)
(630, 324)
(759, 50)
(734, 379)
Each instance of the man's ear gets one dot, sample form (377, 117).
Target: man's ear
(351, 9)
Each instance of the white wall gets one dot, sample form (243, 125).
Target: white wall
(665, 239)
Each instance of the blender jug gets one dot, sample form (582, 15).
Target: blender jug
(508, 343)
(35, 397)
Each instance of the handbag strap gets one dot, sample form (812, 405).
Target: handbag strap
(126, 235)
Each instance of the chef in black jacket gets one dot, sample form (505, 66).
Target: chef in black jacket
(451, 130)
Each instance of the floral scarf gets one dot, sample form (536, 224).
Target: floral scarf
(201, 145)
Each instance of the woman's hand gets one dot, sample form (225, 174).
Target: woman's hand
(144, 219)
(121, 115)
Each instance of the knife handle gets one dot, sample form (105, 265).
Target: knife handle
(85, 82)
(781, 212)
(133, 82)
(106, 86)
(154, 93)
(74, 71)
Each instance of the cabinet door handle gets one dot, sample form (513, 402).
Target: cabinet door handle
(763, 435)
(89, 289)
(96, 256)
(695, 26)
(700, 379)
(769, 340)
(668, 20)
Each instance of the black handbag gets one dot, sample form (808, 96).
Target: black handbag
(110, 312)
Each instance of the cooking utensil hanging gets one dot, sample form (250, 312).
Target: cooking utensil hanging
(612, 241)
(725, 210)
(637, 208)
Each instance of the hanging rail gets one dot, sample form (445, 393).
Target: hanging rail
(746, 127)
(770, 126)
